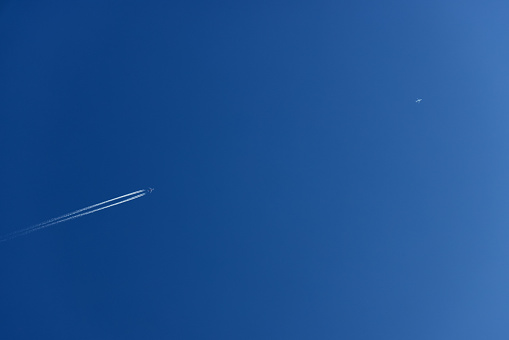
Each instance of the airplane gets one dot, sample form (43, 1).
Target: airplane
(150, 190)
(418, 100)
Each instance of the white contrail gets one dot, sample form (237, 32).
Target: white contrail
(37, 227)
(84, 209)
(70, 214)
(73, 215)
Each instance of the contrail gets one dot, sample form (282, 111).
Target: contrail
(37, 227)
(84, 209)
(71, 213)
(74, 214)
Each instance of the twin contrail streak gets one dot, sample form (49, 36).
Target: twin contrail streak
(75, 214)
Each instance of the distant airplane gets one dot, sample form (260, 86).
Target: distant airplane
(150, 190)
(418, 100)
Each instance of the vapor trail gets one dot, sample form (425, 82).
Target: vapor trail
(70, 214)
(84, 209)
(73, 215)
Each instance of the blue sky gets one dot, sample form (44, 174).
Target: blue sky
(301, 193)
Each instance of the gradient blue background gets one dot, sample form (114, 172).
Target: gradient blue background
(301, 193)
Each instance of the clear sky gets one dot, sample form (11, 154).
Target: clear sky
(300, 191)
